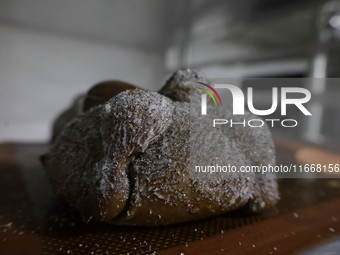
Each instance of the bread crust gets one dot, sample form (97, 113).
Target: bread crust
(130, 161)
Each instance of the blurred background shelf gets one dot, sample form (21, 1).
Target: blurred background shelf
(51, 51)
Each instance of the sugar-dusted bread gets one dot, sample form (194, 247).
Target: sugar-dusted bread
(131, 160)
